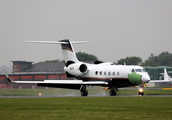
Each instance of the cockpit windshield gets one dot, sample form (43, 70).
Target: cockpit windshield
(138, 70)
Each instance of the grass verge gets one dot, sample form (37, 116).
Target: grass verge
(111, 108)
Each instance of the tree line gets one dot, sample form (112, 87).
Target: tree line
(163, 59)
(82, 56)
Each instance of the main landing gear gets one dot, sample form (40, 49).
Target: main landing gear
(113, 91)
(84, 91)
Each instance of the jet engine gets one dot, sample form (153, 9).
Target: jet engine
(76, 69)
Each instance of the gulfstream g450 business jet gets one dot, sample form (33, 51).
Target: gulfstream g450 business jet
(98, 74)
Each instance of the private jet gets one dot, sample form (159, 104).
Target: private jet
(105, 74)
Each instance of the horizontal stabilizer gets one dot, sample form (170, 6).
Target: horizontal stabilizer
(47, 42)
(57, 42)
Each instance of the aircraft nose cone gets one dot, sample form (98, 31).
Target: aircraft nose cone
(145, 78)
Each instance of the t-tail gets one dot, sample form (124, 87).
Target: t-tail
(67, 49)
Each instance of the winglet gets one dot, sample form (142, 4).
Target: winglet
(9, 79)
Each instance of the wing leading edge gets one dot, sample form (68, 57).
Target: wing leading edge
(79, 82)
(75, 84)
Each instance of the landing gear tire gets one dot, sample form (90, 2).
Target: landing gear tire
(112, 93)
(84, 93)
(140, 93)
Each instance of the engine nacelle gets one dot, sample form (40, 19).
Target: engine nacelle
(76, 69)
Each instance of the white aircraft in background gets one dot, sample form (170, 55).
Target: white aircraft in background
(167, 78)
(97, 74)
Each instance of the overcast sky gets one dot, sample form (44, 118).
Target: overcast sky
(116, 28)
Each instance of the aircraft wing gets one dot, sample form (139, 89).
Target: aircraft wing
(160, 81)
(79, 82)
(70, 84)
(75, 84)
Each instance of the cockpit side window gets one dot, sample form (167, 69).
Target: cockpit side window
(143, 70)
(138, 70)
(132, 70)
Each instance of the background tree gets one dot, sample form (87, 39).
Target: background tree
(49, 61)
(82, 56)
(151, 61)
(163, 59)
(130, 61)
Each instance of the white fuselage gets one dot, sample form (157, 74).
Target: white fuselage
(117, 74)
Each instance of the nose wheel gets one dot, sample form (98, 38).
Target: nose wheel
(140, 93)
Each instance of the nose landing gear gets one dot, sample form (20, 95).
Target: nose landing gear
(140, 93)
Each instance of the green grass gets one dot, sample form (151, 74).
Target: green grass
(77, 108)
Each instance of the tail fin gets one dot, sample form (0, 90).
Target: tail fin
(67, 49)
(166, 76)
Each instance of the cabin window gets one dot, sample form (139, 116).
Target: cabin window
(138, 70)
(117, 73)
(105, 73)
(96, 72)
(100, 72)
(113, 73)
(108, 73)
